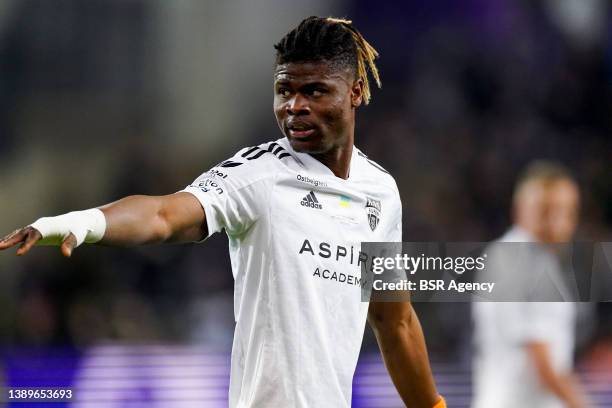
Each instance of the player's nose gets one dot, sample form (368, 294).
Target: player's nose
(298, 105)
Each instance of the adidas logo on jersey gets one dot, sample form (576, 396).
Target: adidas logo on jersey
(311, 201)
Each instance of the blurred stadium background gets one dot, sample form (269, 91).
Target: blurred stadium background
(105, 98)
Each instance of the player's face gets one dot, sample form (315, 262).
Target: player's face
(315, 105)
(550, 211)
(562, 210)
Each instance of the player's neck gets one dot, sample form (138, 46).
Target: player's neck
(338, 160)
(526, 227)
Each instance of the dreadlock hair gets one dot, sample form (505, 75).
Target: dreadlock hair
(332, 40)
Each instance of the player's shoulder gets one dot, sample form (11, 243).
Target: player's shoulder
(257, 161)
(375, 172)
(251, 165)
(516, 234)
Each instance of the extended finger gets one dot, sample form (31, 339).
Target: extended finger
(32, 236)
(68, 245)
(13, 238)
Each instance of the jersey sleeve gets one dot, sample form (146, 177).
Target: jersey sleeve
(394, 229)
(233, 194)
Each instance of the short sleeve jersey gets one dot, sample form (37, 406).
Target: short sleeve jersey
(294, 233)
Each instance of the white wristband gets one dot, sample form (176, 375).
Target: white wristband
(87, 226)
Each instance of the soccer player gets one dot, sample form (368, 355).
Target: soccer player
(295, 211)
(525, 350)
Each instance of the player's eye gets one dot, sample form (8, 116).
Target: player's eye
(283, 92)
(317, 92)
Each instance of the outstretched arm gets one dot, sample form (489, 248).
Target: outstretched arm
(402, 346)
(133, 220)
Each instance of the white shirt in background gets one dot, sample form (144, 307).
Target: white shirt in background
(504, 375)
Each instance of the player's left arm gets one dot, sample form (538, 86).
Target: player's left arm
(402, 345)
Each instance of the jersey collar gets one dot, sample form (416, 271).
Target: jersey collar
(314, 166)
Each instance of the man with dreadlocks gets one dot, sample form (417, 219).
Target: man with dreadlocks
(295, 211)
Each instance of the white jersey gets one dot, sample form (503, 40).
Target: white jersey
(504, 375)
(294, 237)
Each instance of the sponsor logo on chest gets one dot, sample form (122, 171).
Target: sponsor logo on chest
(311, 201)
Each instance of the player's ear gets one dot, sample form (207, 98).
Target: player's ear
(357, 93)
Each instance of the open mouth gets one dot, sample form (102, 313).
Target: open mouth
(301, 130)
(301, 134)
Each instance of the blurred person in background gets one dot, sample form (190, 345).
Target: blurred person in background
(286, 207)
(524, 350)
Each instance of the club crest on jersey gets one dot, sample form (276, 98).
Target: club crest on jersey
(373, 212)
